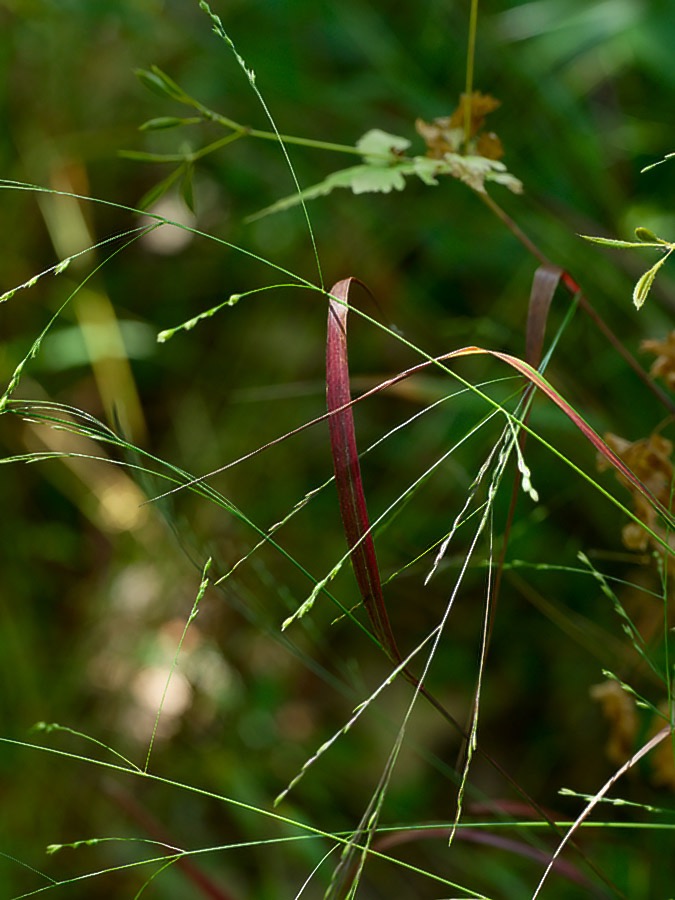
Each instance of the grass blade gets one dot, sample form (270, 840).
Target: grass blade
(348, 479)
(544, 284)
(643, 751)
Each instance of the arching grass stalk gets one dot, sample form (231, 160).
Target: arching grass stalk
(15, 379)
(307, 831)
(219, 29)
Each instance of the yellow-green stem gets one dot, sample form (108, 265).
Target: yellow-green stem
(470, 59)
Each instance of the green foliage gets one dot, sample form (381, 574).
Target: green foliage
(385, 169)
(645, 238)
(385, 163)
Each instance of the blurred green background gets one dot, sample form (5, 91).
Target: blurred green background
(95, 588)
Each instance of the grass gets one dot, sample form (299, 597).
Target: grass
(483, 708)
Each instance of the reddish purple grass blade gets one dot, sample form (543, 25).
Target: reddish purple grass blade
(510, 845)
(545, 281)
(581, 424)
(348, 471)
(540, 382)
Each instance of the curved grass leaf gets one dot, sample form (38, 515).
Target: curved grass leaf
(647, 748)
(544, 284)
(348, 480)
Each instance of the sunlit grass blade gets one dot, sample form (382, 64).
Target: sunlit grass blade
(7, 184)
(305, 831)
(219, 30)
(60, 267)
(148, 470)
(642, 752)
(37, 343)
(193, 615)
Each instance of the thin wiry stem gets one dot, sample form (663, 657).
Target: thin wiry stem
(470, 63)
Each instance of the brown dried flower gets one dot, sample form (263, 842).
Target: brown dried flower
(650, 460)
(664, 364)
(447, 134)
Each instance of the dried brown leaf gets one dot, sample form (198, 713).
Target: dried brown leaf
(619, 710)
(447, 134)
(662, 759)
(480, 106)
(664, 364)
(650, 460)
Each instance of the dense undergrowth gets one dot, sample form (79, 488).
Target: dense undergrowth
(325, 611)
